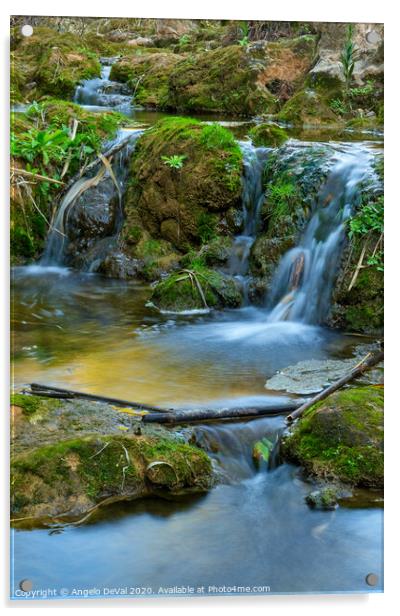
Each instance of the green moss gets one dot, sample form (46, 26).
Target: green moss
(96, 468)
(181, 206)
(29, 404)
(342, 438)
(268, 135)
(28, 227)
(195, 288)
(219, 80)
(54, 63)
(33, 405)
(308, 107)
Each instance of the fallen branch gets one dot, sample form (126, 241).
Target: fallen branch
(364, 365)
(37, 176)
(184, 417)
(52, 392)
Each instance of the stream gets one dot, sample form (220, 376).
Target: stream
(75, 329)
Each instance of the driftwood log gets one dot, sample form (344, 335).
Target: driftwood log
(58, 392)
(368, 362)
(192, 416)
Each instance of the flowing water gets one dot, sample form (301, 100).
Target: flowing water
(252, 199)
(93, 195)
(101, 92)
(302, 285)
(78, 330)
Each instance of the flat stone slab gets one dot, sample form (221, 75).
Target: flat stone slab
(313, 375)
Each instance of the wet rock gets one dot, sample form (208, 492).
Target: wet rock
(55, 61)
(201, 289)
(268, 135)
(327, 497)
(174, 210)
(341, 438)
(72, 456)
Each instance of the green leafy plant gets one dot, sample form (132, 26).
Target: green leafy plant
(244, 29)
(175, 161)
(348, 58)
(184, 40)
(206, 227)
(338, 106)
(369, 219)
(281, 196)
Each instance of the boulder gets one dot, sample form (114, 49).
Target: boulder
(341, 438)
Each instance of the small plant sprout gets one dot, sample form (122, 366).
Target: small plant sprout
(175, 161)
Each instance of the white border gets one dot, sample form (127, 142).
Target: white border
(287, 10)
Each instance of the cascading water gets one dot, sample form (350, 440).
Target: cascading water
(97, 197)
(252, 198)
(302, 285)
(101, 92)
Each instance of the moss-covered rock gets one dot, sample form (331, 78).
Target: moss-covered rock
(184, 176)
(31, 202)
(198, 288)
(69, 458)
(221, 80)
(292, 177)
(268, 135)
(341, 438)
(148, 76)
(308, 107)
(52, 63)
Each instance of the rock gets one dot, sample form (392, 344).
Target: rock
(170, 211)
(141, 41)
(71, 457)
(268, 135)
(55, 61)
(180, 292)
(331, 43)
(308, 108)
(147, 75)
(310, 376)
(341, 438)
(326, 498)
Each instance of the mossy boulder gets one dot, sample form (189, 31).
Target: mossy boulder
(268, 135)
(52, 63)
(147, 74)
(31, 202)
(240, 79)
(341, 438)
(292, 177)
(220, 80)
(185, 175)
(71, 457)
(308, 107)
(196, 289)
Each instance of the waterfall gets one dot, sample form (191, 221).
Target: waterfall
(303, 281)
(92, 196)
(101, 92)
(254, 159)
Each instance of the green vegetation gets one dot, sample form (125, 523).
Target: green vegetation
(268, 135)
(70, 477)
(341, 438)
(244, 29)
(348, 59)
(368, 222)
(196, 287)
(175, 161)
(53, 139)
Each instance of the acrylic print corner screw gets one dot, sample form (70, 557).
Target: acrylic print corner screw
(197, 253)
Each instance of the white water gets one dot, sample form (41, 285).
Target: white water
(252, 198)
(102, 92)
(302, 285)
(57, 240)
